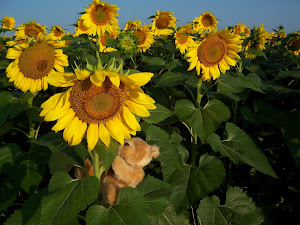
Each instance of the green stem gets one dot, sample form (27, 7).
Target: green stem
(13, 128)
(96, 164)
(240, 69)
(199, 95)
(81, 217)
(37, 131)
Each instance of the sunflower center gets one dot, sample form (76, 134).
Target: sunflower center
(81, 26)
(37, 61)
(32, 30)
(162, 21)
(181, 38)
(207, 21)
(212, 50)
(296, 44)
(57, 32)
(141, 36)
(99, 15)
(7, 23)
(93, 104)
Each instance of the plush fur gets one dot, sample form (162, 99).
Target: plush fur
(127, 168)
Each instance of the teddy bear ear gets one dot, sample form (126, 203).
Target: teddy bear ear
(154, 151)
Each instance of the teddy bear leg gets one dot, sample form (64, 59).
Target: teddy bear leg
(109, 193)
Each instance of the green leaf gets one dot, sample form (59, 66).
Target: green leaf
(130, 209)
(239, 147)
(238, 209)
(68, 198)
(30, 213)
(107, 154)
(169, 156)
(170, 79)
(205, 121)
(169, 217)
(156, 193)
(190, 184)
(6, 127)
(158, 115)
(8, 155)
(7, 102)
(52, 140)
(256, 52)
(294, 74)
(66, 158)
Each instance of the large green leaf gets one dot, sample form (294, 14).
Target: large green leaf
(205, 121)
(169, 217)
(169, 156)
(294, 74)
(52, 140)
(239, 147)
(30, 213)
(130, 209)
(158, 115)
(8, 155)
(66, 158)
(156, 193)
(190, 184)
(68, 197)
(169, 79)
(107, 154)
(7, 102)
(238, 209)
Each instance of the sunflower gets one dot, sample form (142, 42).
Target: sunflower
(182, 39)
(217, 52)
(8, 22)
(80, 28)
(259, 41)
(34, 61)
(99, 104)
(132, 24)
(127, 42)
(30, 29)
(294, 44)
(145, 37)
(58, 32)
(103, 40)
(162, 20)
(205, 22)
(241, 29)
(100, 17)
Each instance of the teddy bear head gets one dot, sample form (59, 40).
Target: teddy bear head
(137, 152)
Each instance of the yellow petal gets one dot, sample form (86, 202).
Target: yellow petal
(130, 119)
(97, 78)
(140, 97)
(104, 135)
(82, 74)
(71, 129)
(141, 78)
(115, 131)
(123, 126)
(137, 109)
(79, 134)
(92, 135)
(115, 80)
(64, 121)
(13, 54)
(150, 106)
(52, 101)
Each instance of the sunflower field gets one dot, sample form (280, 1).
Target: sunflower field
(150, 124)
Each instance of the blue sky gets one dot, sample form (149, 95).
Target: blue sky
(271, 13)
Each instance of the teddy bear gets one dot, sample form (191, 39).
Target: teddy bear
(126, 170)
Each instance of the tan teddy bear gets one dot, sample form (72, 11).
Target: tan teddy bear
(126, 170)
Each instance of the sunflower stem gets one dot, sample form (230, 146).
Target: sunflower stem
(96, 164)
(199, 94)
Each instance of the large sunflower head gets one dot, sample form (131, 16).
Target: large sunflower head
(182, 39)
(80, 28)
(34, 61)
(30, 29)
(258, 41)
(127, 42)
(100, 17)
(99, 104)
(8, 22)
(217, 52)
(205, 22)
(58, 32)
(103, 40)
(145, 37)
(161, 21)
(132, 24)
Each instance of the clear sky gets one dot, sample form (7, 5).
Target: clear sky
(271, 13)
